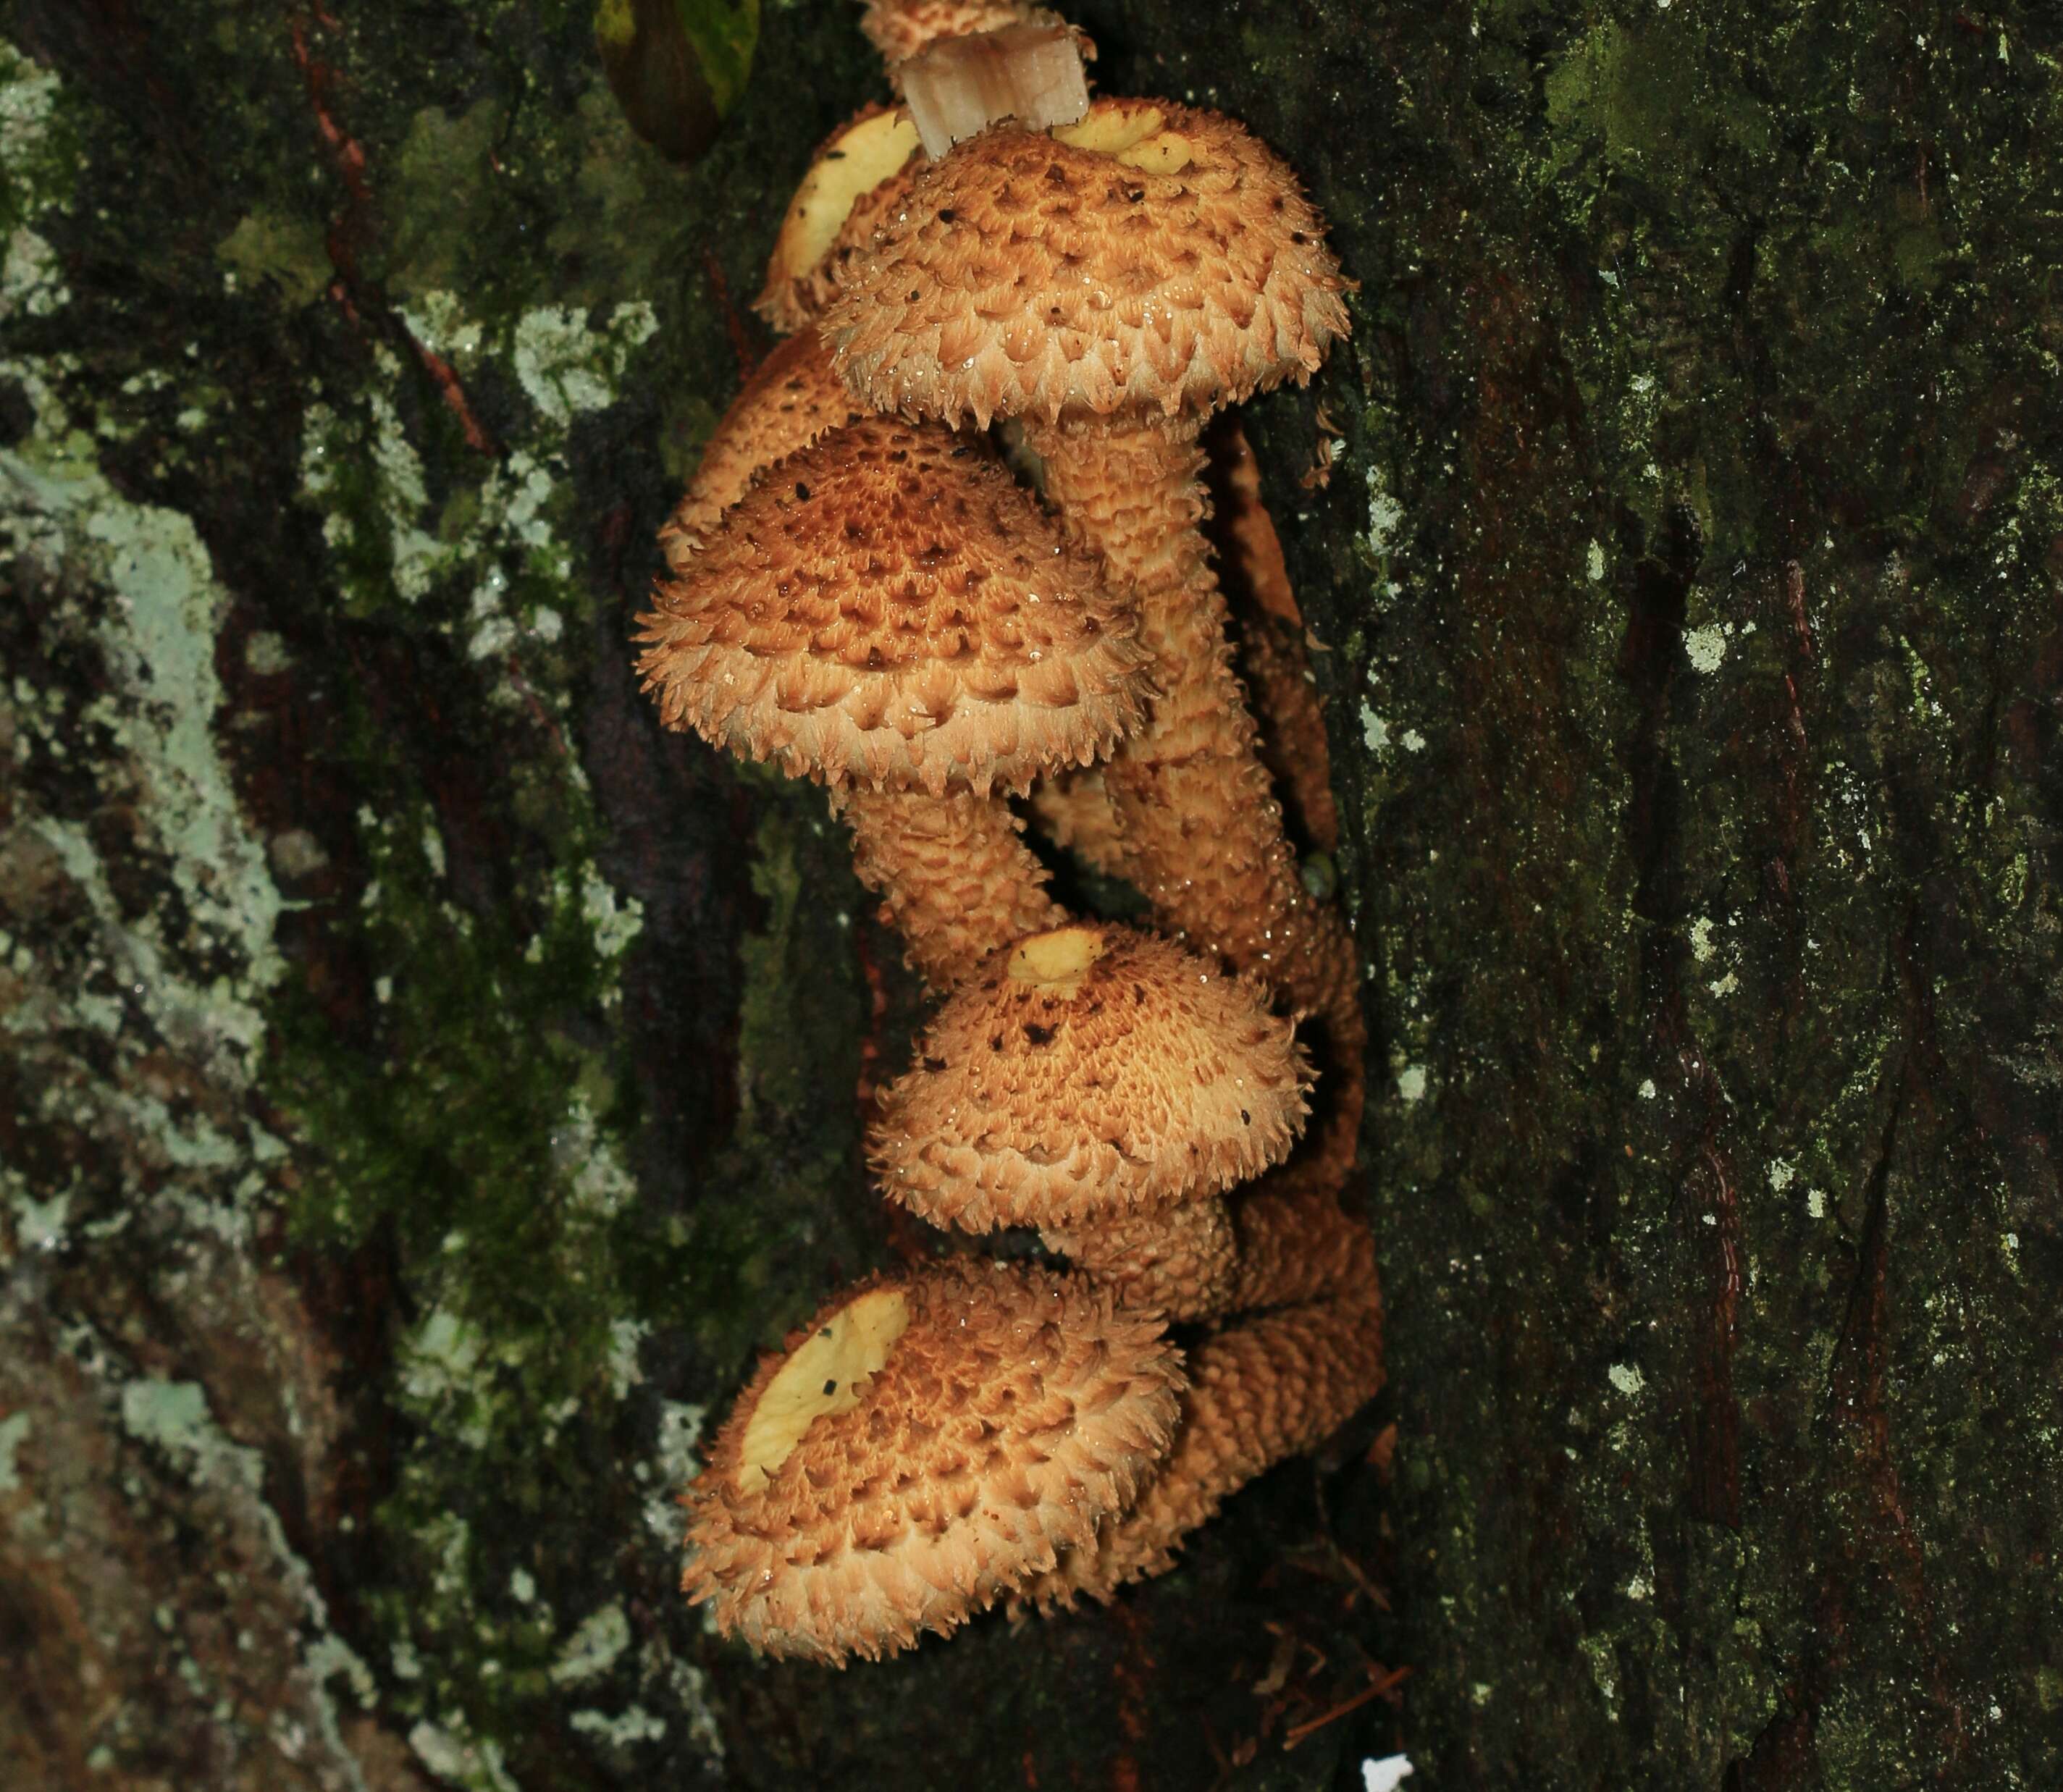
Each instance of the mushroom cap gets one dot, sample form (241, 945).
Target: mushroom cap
(860, 172)
(899, 29)
(794, 398)
(981, 1419)
(887, 607)
(1090, 1072)
(1149, 257)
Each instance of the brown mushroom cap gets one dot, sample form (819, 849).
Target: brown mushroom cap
(926, 1444)
(1150, 256)
(793, 398)
(887, 606)
(1096, 1071)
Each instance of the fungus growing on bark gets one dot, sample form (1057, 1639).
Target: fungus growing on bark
(1261, 1388)
(886, 612)
(1094, 1073)
(927, 1443)
(1108, 285)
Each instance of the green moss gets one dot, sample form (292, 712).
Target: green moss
(284, 255)
(446, 201)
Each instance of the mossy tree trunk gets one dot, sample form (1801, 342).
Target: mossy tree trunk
(426, 1084)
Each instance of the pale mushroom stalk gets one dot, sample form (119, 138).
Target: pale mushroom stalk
(1292, 726)
(1183, 1263)
(1072, 809)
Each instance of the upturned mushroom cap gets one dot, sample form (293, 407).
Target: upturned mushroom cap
(887, 607)
(1093, 1072)
(855, 178)
(924, 1445)
(793, 398)
(1151, 257)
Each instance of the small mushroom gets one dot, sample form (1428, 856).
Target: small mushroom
(927, 1443)
(1094, 1073)
(886, 612)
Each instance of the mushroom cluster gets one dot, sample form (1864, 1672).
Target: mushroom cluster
(945, 551)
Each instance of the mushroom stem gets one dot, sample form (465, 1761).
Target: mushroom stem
(1183, 1262)
(1270, 1386)
(1073, 810)
(955, 876)
(1292, 726)
(1199, 831)
(1030, 70)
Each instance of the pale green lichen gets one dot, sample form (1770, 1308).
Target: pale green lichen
(566, 366)
(591, 1651)
(173, 1419)
(155, 634)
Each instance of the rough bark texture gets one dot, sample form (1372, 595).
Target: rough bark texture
(426, 1084)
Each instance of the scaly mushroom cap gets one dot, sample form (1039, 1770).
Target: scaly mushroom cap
(1093, 1072)
(899, 29)
(793, 398)
(1150, 256)
(926, 1444)
(887, 607)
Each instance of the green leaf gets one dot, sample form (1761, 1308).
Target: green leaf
(723, 34)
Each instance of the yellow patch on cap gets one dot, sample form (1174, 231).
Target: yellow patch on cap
(1057, 960)
(857, 163)
(827, 1374)
(1134, 138)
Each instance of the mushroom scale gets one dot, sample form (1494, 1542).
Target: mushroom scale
(1011, 1413)
(1133, 1080)
(1183, 1262)
(899, 29)
(955, 876)
(792, 399)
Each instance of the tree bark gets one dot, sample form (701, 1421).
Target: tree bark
(427, 1083)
